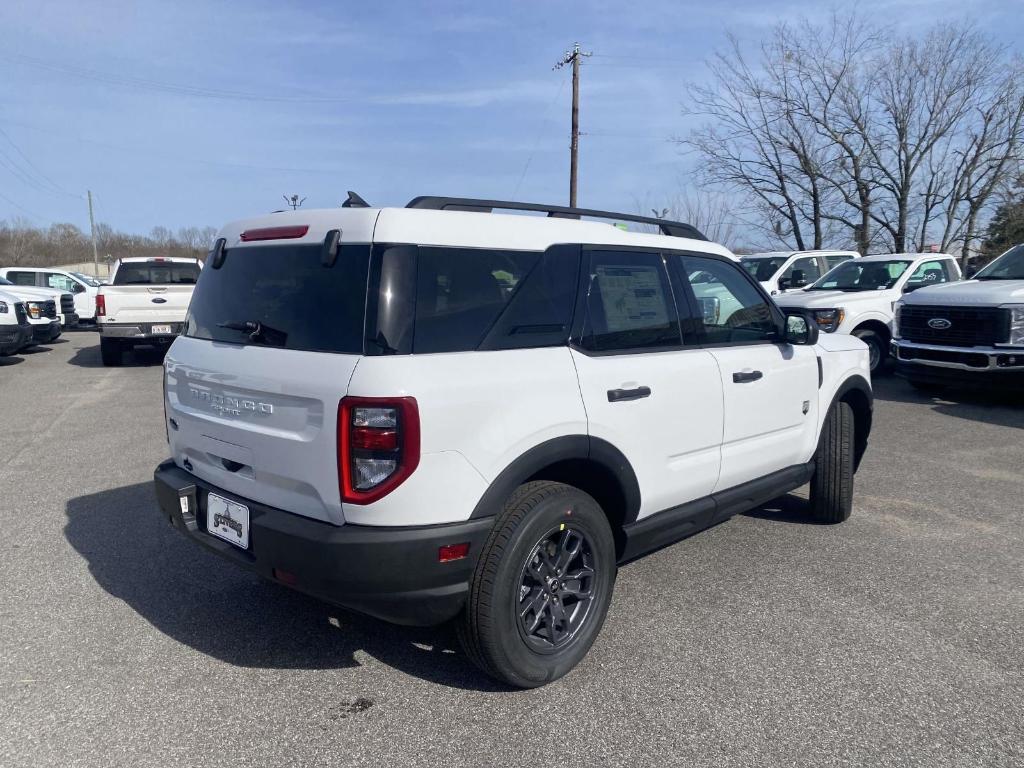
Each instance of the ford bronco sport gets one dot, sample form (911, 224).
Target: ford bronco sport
(439, 412)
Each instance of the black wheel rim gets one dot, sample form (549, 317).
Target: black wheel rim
(557, 588)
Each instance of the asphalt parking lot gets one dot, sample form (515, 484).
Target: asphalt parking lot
(894, 639)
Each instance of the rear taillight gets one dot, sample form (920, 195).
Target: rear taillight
(101, 305)
(378, 446)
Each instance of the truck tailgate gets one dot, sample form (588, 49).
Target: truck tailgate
(146, 303)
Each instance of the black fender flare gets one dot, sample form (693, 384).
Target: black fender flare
(552, 451)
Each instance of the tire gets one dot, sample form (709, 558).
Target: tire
(832, 482)
(111, 352)
(877, 347)
(531, 647)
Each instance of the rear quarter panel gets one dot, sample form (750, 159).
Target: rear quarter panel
(479, 411)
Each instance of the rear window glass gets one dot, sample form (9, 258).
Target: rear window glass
(283, 296)
(152, 273)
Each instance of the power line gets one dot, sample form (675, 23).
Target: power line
(540, 133)
(56, 187)
(168, 87)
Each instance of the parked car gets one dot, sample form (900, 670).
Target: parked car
(64, 302)
(858, 297)
(782, 271)
(144, 305)
(970, 332)
(81, 287)
(15, 330)
(429, 414)
(41, 310)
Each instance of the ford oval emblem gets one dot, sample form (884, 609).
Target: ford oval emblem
(939, 323)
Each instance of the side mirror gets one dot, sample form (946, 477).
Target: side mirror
(78, 288)
(784, 283)
(801, 329)
(799, 278)
(970, 272)
(710, 309)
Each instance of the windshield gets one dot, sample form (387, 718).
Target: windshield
(762, 268)
(157, 273)
(92, 282)
(1009, 266)
(283, 296)
(857, 275)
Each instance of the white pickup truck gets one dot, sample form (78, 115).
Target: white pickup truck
(969, 333)
(145, 304)
(858, 296)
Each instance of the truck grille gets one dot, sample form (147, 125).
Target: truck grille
(67, 304)
(969, 326)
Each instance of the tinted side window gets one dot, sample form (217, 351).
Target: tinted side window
(732, 311)
(22, 278)
(461, 292)
(808, 266)
(929, 273)
(629, 303)
(837, 259)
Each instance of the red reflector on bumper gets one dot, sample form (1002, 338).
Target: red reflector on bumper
(274, 233)
(286, 578)
(450, 552)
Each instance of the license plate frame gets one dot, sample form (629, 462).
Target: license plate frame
(227, 520)
(164, 328)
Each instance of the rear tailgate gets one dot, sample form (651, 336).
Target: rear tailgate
(259, 422)
(146, 303)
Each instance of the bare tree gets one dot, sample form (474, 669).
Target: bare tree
(846, 133)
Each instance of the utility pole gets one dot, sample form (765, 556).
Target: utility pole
(573, 57)
(92, 228)
(294, 201)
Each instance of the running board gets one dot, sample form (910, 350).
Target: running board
(674, 524)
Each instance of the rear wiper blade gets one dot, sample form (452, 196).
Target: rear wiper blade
(257, 332)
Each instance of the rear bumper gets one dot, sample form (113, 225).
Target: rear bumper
(390, 573)
(139, 331)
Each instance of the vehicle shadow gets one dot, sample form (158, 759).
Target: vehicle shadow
(143, 357)
(790, 508)
(1005, 408)
(11, 360)
(220, 610)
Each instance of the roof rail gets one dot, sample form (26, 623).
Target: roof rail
(671, 228)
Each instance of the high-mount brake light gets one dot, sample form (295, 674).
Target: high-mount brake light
(101, 305)
(274, 233)
(378, 446)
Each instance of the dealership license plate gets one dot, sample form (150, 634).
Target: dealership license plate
(228, 520)
(161, 329)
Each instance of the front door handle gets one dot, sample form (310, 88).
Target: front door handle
(745, 377)
(617, 395)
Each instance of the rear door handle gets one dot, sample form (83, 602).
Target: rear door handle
(617, 395)
(745, 377)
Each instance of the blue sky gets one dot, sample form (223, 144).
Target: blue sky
(194, 113)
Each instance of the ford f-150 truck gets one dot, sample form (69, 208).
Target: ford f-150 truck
(145, 304)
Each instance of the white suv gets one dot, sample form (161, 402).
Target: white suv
(859, 297)
(437, 412)
(781, 271)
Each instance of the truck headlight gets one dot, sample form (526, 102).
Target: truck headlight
(829, 319)
(1016, 325)
(3, 307)
(897, 310)
(34, 310)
